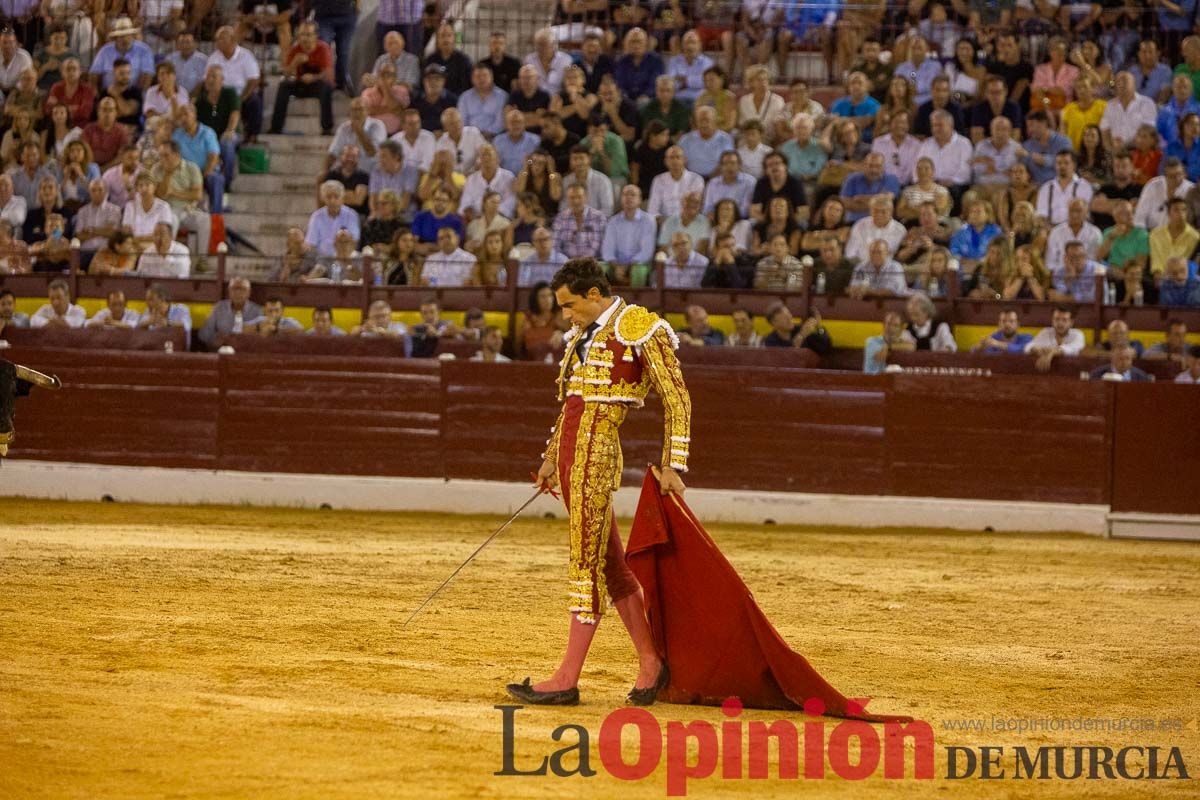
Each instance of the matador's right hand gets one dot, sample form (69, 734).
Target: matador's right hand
(547, 476)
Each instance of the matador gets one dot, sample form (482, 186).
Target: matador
(614, 354)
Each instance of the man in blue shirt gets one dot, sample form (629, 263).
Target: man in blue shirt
(1075, 282)
(704, 145)
(858, 105)
(688, 68)
(860, 187)
(122, 45)
(1151, 77)
(325, 222)
(877, 348)
(198, 144)
(1008, 338)
(730, 183)
(1042, 146)
(427, 223)
(919, 70)
(629, 239)
(482, 106)
(516, 144)
(1179, 105)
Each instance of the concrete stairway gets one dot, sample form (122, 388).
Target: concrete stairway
(263, 207)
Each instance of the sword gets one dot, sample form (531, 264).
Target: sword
(38, 378)
(471, 557)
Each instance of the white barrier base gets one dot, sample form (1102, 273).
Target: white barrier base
(1154, 526)
(92, 482)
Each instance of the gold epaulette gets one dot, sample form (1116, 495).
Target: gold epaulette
(636, 324)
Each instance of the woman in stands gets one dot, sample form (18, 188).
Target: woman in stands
(1145, 154)
(716, 94)
(403, 267)
(991, 275)
(540, 329)
(1021, 189)
(1095, 162)
(1027, 227)
(379, 231)
(117, 257)
(78, 171)
(933, 273)
(924, 328)
(728, 220)
(490, 261)
(1030, 280)
(538, 178)
(845, 146)
(901, 96)
(1054, 81)
(529, 217)
(14, 254)
(760, 102)
(830, 220)
(490, 220)
(925, 190)
(60, 132)
(966, 73)
(441, 175)
(780, 221)
(22, 131)
(49, 201)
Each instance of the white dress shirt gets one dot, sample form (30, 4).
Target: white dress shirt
(140, 222)
(1046, 338)
(175, 263)
(899, 160)
(1123, 122)
(101, 318)
(1053, 199)
(448, 270)
(666, 193)
(1151, 210)
(75, 316)
(477, 186)
(951, 161)
(237, 70)
(863, 232)
(420, 152)
(1062, 235)
(466, 150)
(550, 81)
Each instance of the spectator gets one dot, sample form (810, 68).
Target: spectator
(1146, 154)
(607, 151)
(126, 95)
(336, 20)
(698, 332)
(190, 65)
(1191, 366)
(198, 144)
(666, 107)
(76, 94)
(434, 99)
(322, 323)
(504, 67)
(1083, 112)
(549, 62)
(380, 229)
(543, 262)
(599, 187)
(1125, 113)
(13, 207)
(1007, 338)
(298, 260)
(1058, 339)
(482, 106)
(406, 65)
(1008, 65)
(29, 176)
(490, 344)
(1116, 337)
(1075, 280)
(122, 44)
(899, 149)
(450, 265)
(48, 201)
(162, 313)
(1042, 147)
(14, 59)
(167, 258)
(743, 334)
(637, 69)
(1174, 347)
(455, 64)
(490, 177)
(1177, 288)
(730, 183)
(778, 183)
(144, 211)
(344, 265)
(386, 99)
(786, 333)
(273, 321)
(924, 329)
(166, 96)
(379, 323)
(667, 190)
(778, 271)
(1121, 188)
(106, 137)
(427, 223)
(860, 188)
(1176, 237)
(779, 221)
(1053, 80)
(530, 99)
(628, 239)
(879, 275)
(1154, 200)
(180, 183)
(690, 221)
(687, 68)
(540, 329)
(1181, 103)
(1055, 197)
(325, 222)
(1150, 75)
(1120, 366)
(52, 250)
(994, 157)
(463, 141)
(593, 61)
(857, 105)
(879, 225)
(685, 268)
(558, 142)
(970, 242)
(415, 142)
(996, 103)
(355, 180)
(724, 271)
(950, 152)
(117, 257)
(95, 221)
(308, 72)
(877, 349)
(121, 178)
(115, 313)
(939, 100)
(716, 94)
(837, 269)
(59, 311)
(804, 154)
(1076, 228)
(515, 145)
(392, 174)
(487, 222)
(579, 229)
(1186, 147)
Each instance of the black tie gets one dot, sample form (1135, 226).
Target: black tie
(580, 348)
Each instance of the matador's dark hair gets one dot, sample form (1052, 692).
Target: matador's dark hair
(579, 275)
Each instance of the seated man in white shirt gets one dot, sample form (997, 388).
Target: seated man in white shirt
(685, 267)
(167, 258)
(491, 343)
(490, 177)
(449, 265)
(879, 276)
(115, 313)
(1076, 228)
(162, 313)
(879, 225)
(668, 188)
(1060, 339)
(1055, 196)
(950, 152)
(59, 312)
(462, 140)
(144, 211)
(1156, 196)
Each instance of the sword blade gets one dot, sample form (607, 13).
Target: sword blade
(38, 378)
(471, 557)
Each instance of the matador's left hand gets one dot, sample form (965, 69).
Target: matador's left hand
(669, 481)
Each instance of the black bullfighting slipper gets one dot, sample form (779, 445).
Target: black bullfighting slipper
(527, 694)
(647, 696)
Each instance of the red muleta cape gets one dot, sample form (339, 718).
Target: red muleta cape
(705, 620)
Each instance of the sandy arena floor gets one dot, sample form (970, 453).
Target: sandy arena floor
(241, 653)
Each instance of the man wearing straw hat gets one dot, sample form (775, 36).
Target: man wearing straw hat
(123, 44)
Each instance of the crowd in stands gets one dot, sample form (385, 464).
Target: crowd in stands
(1010, 151)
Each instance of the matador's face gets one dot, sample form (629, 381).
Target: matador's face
(581, 310)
